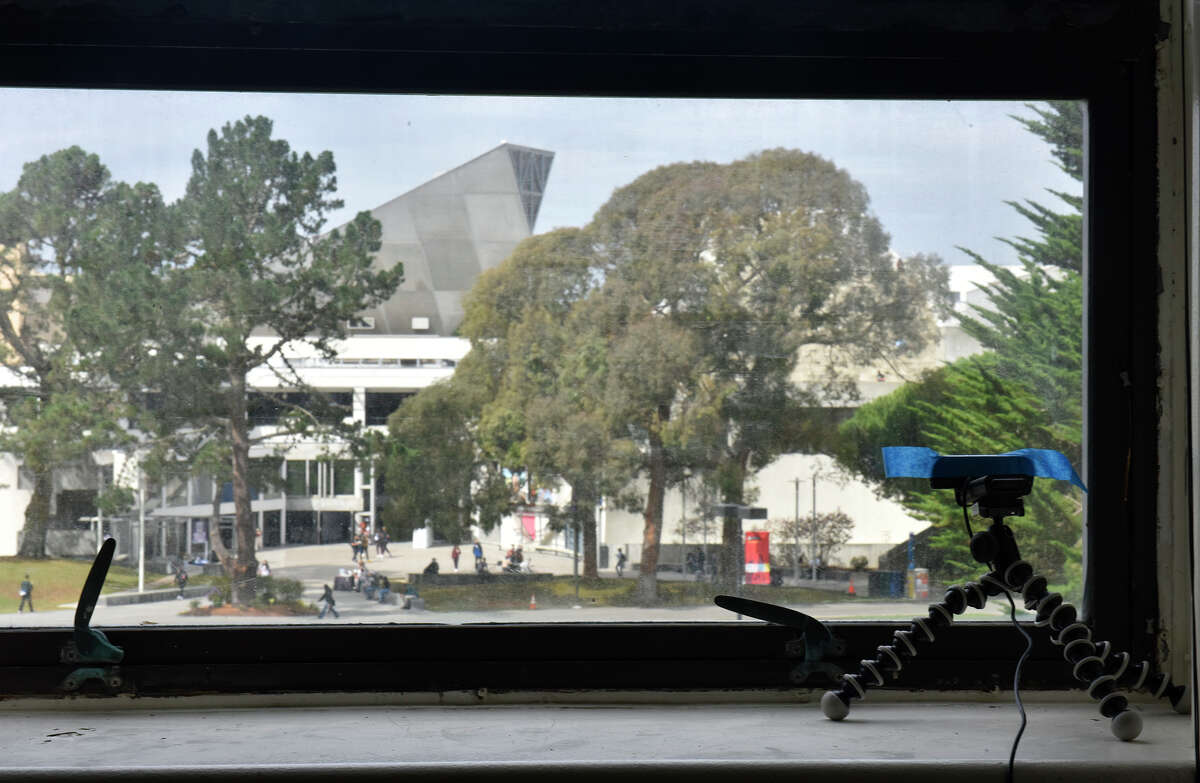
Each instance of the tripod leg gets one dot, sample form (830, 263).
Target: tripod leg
(906, 645)
(1094, 662)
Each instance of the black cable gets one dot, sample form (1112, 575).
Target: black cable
(1012, 756)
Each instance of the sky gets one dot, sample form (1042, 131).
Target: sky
(938, 172)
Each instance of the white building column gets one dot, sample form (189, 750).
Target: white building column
(369, 485)
(358, 407)
(358, 404)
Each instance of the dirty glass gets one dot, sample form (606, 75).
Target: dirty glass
(551, 359)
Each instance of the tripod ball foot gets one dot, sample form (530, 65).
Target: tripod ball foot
(1125, 725)
(833, 706)
(1183, 704)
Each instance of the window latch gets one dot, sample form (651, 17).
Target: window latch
(814, 643)
(87, 645)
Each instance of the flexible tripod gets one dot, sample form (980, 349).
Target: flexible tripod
(1095, 664)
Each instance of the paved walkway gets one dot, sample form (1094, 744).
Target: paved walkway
(316, 566)
(353, 608)
(323, 561)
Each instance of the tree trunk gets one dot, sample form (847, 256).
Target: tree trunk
(732, 557)
(37, 513)
(583, 520)
(647, 589)
(246, 566)
(590, 555)
(214, 533)
(733, 552)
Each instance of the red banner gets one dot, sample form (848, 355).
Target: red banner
(758, 557)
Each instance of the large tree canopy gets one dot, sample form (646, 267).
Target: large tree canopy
(67, 233)
(747, 265)
(250, 257)
(662, 339)
(548, 411)
(260, 261)
(434, 471)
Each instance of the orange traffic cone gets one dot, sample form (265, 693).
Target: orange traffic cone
(533, 602)
(850, 591)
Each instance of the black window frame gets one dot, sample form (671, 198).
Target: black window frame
(1101, 52)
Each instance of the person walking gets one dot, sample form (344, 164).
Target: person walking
(181, 580)
(327, 597)
(620, 563)
(455, 553)
(26, 591)
(384, 538)
(477, 550)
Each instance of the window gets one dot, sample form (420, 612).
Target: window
(809, 321)
(1090, 67)
(296, 477)
(380, 405)
(202, 489)
(343, 477)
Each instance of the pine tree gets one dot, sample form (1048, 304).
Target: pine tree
(71, 238)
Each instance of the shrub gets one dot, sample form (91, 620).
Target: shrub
(221, 592)
(269, 590)
(277, 588)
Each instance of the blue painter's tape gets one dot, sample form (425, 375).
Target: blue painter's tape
(920, 462)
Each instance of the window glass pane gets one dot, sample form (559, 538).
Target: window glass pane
(343, 477)
(655, 343)
(202, 489)
(296, 485)
(380, 405)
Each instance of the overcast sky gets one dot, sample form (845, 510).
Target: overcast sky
(938, 172)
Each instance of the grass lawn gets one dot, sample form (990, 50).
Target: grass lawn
(59, 581)
(560, 593)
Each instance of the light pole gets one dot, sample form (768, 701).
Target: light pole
(100, 514)
(141, 534)
(683, 521)
(796, 533)
(814, 524)
(575, 545)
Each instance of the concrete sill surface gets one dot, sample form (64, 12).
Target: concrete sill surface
(885, 741)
